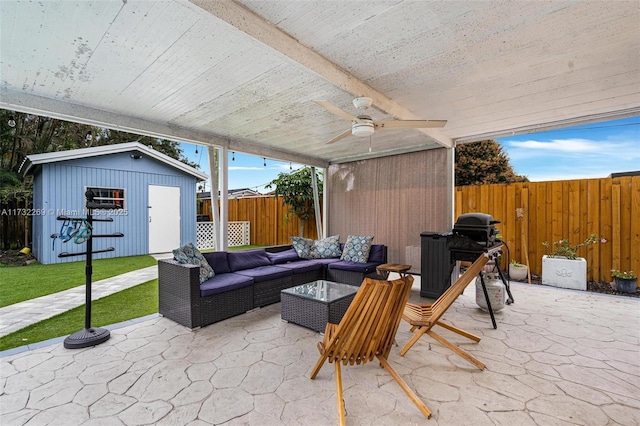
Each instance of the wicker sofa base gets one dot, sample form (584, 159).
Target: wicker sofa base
(268, 292)
(307, 277)
(226, 305)
(180, 299)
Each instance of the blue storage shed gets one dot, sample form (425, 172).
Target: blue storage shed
(154, 194)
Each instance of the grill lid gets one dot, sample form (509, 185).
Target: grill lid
(477, 226)
(478, 220)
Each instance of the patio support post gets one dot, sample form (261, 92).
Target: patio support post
(213, 181)
(451, 186)
(325, 202)
(316, 203)
(224, 197)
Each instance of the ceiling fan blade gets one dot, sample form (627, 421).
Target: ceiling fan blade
(340, 136)
(409, 124)
(335, 110)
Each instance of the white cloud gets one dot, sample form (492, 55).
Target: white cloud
(609, 150)
(565, 145)
(554, 157)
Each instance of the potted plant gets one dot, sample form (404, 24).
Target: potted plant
(517, 271)
(563, 268)
(626, 281)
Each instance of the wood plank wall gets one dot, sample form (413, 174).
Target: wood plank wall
(269, 222)
(571, 209)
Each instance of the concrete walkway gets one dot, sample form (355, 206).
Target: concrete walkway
(19, 315)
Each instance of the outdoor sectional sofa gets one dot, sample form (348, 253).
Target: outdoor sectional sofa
(248, 279)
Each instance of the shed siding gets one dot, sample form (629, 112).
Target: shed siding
(63, 187)
(38, 239)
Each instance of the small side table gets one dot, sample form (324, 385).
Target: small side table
(386, 268)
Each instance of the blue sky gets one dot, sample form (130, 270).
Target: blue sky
(588, 151)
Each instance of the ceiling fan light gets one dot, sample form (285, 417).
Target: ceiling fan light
(362, 129)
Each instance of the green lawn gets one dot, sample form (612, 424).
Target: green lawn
(28, 282)
(134, 302)
(20, 283)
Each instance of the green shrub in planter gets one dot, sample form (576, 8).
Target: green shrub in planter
(626, 281)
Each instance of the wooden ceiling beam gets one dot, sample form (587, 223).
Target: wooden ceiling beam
(31, 104)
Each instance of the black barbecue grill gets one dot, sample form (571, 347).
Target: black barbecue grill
(479, 227)
(475, 234)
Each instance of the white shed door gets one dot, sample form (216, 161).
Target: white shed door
(164, 218)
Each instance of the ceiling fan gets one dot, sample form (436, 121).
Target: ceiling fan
(364, 125)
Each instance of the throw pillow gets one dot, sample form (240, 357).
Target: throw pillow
(189, 254)
(326, 248)
(303, 246)
(357, 248)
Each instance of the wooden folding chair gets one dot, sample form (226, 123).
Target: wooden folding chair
(367, 330)
(424, 317)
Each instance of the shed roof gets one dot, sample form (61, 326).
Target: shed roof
(32, 161)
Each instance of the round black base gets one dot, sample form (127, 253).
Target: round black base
(87, 337)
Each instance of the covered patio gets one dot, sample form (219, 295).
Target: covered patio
(558, 357)
(246, 76)
(243, 76)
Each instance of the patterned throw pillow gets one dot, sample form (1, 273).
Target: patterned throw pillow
(357, 248)
(189, 254)
(303, 247)
(326, 248)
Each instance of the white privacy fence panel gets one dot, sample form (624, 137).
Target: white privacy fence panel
(238, 234)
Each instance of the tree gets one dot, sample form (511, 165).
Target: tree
(297, 192)
(484, 162)
(33, 134)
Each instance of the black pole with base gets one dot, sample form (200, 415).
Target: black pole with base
(89, 336)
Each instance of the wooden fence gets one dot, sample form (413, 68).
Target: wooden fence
(268, 217)
(572, 209)
(15, 224)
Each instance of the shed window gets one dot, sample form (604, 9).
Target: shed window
(111, 196)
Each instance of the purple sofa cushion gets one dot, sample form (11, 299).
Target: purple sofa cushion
(247, 259)
(224, 282)
(344, 265)
(378, 253)
(265, 273)
(302, 266)
(326, 261)
(218, 261)
(290, 255)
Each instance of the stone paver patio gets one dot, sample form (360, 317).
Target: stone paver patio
(558, 357)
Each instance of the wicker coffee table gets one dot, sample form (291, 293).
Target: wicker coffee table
(314, 304)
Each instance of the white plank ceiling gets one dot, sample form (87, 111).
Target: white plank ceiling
(245, 74)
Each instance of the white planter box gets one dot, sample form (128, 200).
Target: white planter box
(565, 273)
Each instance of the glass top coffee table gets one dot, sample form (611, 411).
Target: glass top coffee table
(314, 304)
